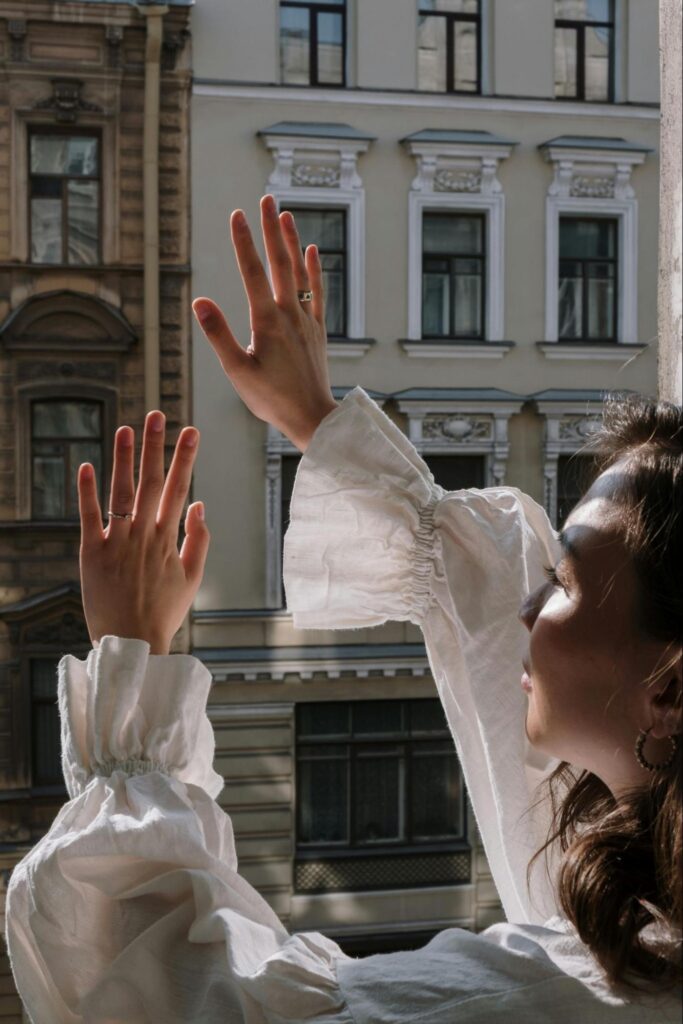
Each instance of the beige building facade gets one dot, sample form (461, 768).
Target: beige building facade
(482, 181)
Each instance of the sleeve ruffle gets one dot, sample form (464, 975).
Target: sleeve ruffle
(357, 552)
(124, 709)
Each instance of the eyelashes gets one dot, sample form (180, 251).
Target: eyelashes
(552, 576)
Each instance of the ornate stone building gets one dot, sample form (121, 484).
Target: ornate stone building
(94, 330)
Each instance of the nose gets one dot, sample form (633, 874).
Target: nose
(532, 604)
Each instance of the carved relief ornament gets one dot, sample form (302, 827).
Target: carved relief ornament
(457, 167)
(315, 162)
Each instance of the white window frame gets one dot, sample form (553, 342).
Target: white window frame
(592, 182)
(458, 177)
(320, 171)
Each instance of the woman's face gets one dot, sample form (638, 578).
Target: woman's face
(588, 658)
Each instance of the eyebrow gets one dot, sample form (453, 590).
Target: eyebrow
(568, 546)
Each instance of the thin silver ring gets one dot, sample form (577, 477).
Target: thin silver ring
(119, 515)
(306, 296)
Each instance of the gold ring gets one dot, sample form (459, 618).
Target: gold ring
(306, 296)
(119, 515)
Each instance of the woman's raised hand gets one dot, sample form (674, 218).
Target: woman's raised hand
(282, 376)
(135, 582)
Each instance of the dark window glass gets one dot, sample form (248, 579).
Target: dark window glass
(64, 190)
(377, 774)
(290, 464)
(326, 228)
(575, 474)
(449, 46)
(63, 435)
(584, 50)
(45, 728)
(588, 279)
(457, 472)
(313, 42)
(453, 275)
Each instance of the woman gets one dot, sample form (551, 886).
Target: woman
(131, 908)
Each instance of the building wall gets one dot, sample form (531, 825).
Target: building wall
(236, 94)
(102, 47)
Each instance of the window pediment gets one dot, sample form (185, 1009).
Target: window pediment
(66, 320)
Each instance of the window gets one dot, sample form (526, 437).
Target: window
(290, 464)
(63, 434)
(453, 269)
(457, 472)
(46, 765)
(449, 46)
(377, 774)
(588, 279)
(575, 473)
(584, 50)
(64, 198)
(326, 228)
(313, 43)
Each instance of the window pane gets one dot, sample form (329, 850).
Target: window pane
(587, 239)
(333, 285)
(83, 221)
(324, 228)
(44, 678)
(454, 6)
(466, 57)
(85, 451)
(46, 188)
(436, 312)
(570, 319)
(295, 45)
(64, 154)
(435, 796)
(452, 234)
(330, 49)
(457, 472)
(583, 10)
(600, 286)
(377, 792)
(428, 715)
(565, 62)
(431, 53)
(45, 727)
(46, 230)
(377, 716)
(323, 719)
(67, 419)
(48, 493)
(323, 801)
(597, 67)
(467, 298)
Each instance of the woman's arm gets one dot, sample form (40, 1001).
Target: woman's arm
(130, 908)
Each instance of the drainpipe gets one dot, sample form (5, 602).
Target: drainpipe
(154, 13)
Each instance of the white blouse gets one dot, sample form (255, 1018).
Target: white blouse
(131, 909)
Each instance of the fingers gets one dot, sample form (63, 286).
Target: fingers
(122, 493)
(278, 255)
(254, 278)
(296, 256)
(178, 480)
(196, 544)
(232, 356)
(89, 507)
(151, 479)
(315, 276)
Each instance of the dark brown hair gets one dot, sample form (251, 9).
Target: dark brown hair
(621, 862)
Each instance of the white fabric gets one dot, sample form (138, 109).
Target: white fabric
(130, 908)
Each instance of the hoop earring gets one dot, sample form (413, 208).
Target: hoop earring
(640, 743)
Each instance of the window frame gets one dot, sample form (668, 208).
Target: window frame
(580, 28)
(342, 208)
(68, 468)
(451, 18)
(315, 8)
(482, 258)
(613, 260)
(87, 132)
(383, 848)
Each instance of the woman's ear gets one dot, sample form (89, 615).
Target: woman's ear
(666, 700)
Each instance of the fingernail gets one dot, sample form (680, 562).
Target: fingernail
(202, 310)
(190, 438)
(125, 437)
(156, 421)
(238, 218)
(86, 471)
(200, 510)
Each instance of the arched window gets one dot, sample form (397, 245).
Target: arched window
(64, 433)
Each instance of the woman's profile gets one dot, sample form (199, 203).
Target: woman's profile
(557, 659)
